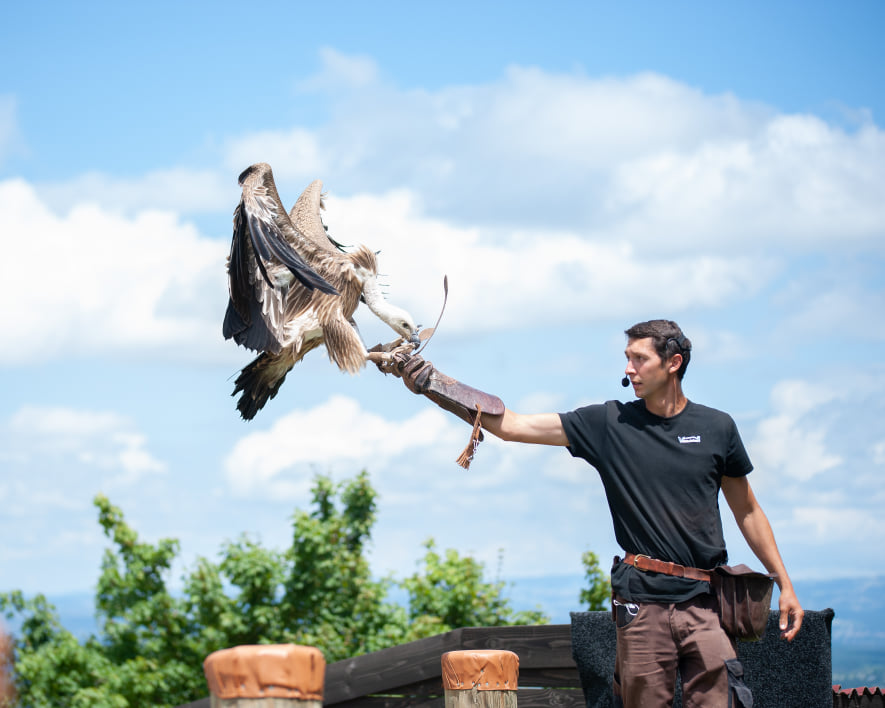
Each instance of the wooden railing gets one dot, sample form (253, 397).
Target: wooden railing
(410, 675)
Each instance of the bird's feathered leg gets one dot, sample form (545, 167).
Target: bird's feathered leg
(344, 345)
(260, 379)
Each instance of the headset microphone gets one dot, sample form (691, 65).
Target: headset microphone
(625, 382)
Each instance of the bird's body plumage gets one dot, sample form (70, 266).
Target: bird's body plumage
(293, 289)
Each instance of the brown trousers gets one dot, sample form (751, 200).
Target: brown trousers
(655, 640)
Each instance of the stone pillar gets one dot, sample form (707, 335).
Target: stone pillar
(266, 676)
(480, 679)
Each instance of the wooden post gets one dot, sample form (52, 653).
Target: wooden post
(480, 679)
(266, 676)
(7, 670)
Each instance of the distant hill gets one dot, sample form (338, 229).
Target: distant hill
(858, 627)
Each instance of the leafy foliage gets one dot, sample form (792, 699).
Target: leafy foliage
(597, 594)
(451, 592)
(318, 592)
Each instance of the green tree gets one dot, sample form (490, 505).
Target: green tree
(318, 592)
(449, 591)
(330, 597)
(52, 668)
(597, 595)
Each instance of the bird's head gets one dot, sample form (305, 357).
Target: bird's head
(402, 323)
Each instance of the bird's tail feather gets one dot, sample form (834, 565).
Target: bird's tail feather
(259, 381)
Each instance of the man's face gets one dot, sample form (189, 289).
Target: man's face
(646, 371)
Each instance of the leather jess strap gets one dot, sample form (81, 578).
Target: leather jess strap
(641, 562)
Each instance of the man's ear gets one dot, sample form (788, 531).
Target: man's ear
(674, 364)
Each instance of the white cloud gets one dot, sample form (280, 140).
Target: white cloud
(338, 431)
(792, 441)
(175, 189)
(93, 281)
(793, 180)
(548, 199)
(599, 121)
(565, 198)
(836, 300)
(294, 153)
(63, 424)
(879, 453)
(10, 140)
(501, 280)
(66, 442)
(800, 397)
(341, 70)
(721, 345)
(641, 159)
(542, 401)
(115, 284)
(816, 524)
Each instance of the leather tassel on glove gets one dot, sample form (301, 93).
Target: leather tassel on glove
(464, 401)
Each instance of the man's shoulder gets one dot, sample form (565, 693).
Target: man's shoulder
(697, 414)
(593, 415)
(596, 408)
(702, 411)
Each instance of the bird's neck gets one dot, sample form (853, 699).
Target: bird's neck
(374, 298)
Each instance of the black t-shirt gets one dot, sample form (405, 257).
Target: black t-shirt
(662, 478)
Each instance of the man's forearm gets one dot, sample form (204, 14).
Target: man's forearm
(756, 529)
(539, 428)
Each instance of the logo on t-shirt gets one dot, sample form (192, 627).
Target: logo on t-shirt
(685, 439)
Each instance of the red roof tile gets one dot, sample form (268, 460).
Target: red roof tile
(865, 696)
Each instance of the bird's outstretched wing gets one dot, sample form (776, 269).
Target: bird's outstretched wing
(307, 217)
(268, 258)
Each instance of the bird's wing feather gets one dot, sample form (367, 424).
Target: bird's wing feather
(269, 263)
(274, 238)
(308, 220)
(251, 332)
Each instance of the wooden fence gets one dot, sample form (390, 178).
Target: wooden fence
(411, 675)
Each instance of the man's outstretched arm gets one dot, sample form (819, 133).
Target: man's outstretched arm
(420, 376)
(757, 531)
(539, 428)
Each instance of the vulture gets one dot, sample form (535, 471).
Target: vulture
(292, 289)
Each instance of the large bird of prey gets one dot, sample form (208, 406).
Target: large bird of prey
(293, 289)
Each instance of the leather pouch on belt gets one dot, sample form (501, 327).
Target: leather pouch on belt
(464, 401)
(744, 598)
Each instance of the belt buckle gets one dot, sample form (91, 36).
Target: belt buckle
(636, 560)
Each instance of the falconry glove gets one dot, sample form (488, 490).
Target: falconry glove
(464, 401)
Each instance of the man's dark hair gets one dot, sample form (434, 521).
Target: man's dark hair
(667, 338)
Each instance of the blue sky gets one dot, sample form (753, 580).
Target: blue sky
(573, 169)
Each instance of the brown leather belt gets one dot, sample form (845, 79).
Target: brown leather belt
(641, 562)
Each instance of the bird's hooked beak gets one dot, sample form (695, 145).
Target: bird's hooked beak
(415, 340)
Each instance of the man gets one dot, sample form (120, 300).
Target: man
(662, 460)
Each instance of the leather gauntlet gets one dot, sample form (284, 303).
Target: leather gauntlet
(464, 401)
